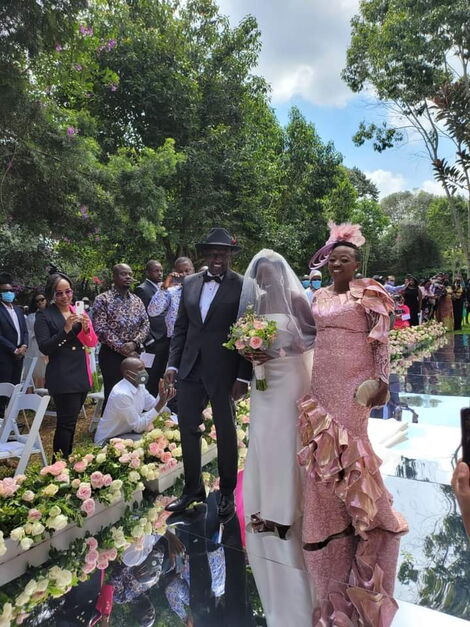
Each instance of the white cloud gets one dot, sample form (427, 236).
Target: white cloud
(433, 187)
(304, 46)
(387, 182)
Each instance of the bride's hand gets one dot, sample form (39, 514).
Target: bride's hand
(258, 357)
(379, 399)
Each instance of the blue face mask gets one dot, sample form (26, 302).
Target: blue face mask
(306, 284)
(316, 284)
(8, 297)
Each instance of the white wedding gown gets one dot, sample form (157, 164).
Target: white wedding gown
(272, 487)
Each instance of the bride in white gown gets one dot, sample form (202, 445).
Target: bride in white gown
(272, 491)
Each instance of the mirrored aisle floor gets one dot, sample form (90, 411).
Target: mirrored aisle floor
(213, 583)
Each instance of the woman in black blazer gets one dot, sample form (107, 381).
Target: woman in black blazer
(63, 336)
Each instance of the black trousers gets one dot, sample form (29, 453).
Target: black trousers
(192, 400)
(68, 407)
(110, 366)
(10, 372)
(159, 348)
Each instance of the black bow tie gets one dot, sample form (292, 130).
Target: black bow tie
(208, 277)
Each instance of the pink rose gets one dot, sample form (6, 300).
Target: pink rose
(88, 568)
(258, 324)
(20, 478)
(34, 514)
(84, 491)
(172, 463)
(102, 563)
(256, 342)
(166, 457)
(89, 458)
(91, 543)
(111, 554)
(88, 507)
(80, 466)
(125, 459)
(239, 345)
(92, 556)
(119, 446)
(63, 477)
(135, 462)
(154, 449)
(107, 480)
(244, 419)
(172, 446)
(57, 468)
(96, 479)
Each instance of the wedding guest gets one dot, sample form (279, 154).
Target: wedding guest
(63, 336)
(131, 408)
(157, 343)
(445, 309)
(208, 371)
(350, 530)
(314, 284)
(13, 337)
(412, 297)
(461, 487)
(38, 303)
(122, 325)
(402, 313)
(458, 297)
(390, 286)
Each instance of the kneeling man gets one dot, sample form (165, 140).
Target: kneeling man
(130, 407)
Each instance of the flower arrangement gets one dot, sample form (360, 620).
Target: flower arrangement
(404, 342)
(82, 558)
(250, 334)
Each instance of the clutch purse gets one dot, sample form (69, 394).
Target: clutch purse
(368, 390)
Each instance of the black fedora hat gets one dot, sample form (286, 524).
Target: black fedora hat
(219, 238)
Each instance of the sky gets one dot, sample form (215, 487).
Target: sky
(304, 44)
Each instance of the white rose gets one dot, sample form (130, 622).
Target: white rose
(31, 587)
(26, 543)
(7, 615)
(155, 434)
(37, 529)
(54, 511)
(137, 532)
(169, 435)
(134, 476)
(58, 522)
(177, 436)
(42, 585)
(100, 458)
(177, 452)
(64, 578)
(75, 483)
(50, 490)
(116, 484)
(22, 599)
(28, 496)
(152, 514)
(17, 534)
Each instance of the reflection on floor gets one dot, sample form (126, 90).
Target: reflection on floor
(214, 585)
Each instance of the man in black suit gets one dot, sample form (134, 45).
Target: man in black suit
(206, 370)
(13, 337)
(158, 342)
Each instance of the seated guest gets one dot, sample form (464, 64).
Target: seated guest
(131, 408)
(63, 335)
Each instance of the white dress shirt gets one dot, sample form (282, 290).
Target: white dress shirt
(129, 409)
(208, 292)
(14, 319)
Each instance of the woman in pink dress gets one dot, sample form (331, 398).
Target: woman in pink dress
(351, 534)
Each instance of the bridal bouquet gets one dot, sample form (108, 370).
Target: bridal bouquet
(251, 334)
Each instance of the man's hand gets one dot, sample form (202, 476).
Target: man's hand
(165, 394)
(461, 487)
(128, 348)
(170, 377)
(256, 358)
(239, 389)
(170, 280)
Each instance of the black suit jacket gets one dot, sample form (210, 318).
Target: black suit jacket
(193, 338)
(158, 330)
(66, 370)
(8, 334)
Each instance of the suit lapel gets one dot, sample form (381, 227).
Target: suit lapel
(7, 316)
(224, 286)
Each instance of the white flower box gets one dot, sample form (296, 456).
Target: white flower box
(168, 479)
(15, 562)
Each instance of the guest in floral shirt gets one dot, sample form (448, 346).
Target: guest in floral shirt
(122, 325)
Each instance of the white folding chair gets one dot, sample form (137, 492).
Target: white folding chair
(10, 391)
(99, 398)
(23, 446)
(29, 364)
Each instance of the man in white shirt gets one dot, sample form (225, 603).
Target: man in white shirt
(131, 408)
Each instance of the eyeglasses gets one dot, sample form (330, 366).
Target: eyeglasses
(61, 293)
(41, 299)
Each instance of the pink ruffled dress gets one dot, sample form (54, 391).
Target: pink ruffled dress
(351, 533)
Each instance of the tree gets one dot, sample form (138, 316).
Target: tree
(407, 206)
(364, 187)
(415, 55)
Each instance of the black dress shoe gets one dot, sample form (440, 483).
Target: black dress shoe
(188, 517)
(226, 508)
(185, 501)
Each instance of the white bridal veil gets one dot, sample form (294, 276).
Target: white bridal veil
(271, 287)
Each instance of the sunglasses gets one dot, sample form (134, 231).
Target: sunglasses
(61, 293)
(41, 299)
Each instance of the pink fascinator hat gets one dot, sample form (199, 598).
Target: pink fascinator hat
(347, 233)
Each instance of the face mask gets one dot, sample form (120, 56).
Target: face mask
(306, 284)
(316, 284)
(391, 282)
(8, 297)
(140, 378)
